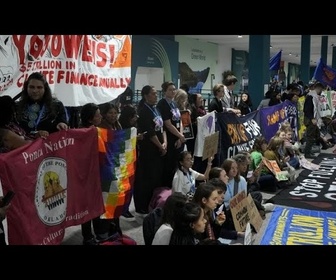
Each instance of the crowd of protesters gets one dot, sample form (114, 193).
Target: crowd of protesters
(165, 158)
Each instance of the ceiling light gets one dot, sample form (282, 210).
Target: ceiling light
(240, 36)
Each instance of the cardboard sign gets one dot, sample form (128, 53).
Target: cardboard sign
(187, 126)
(272, 165)
(244, 211)
(210, 145)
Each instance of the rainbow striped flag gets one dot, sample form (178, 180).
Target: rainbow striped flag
(117, 159)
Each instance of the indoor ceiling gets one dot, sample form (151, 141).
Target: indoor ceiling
(289, 44)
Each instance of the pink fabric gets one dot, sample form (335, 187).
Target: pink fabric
(159, 197)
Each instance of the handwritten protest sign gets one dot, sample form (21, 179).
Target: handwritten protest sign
(244, 211)
(210, 145)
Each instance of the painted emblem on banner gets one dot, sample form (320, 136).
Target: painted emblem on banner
(51, 191)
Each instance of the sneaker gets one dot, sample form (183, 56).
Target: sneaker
(128, 215)
(269, 207)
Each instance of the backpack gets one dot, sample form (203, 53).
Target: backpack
(159, 197)
(151, 224)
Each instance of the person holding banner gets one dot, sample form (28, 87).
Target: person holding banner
(38, 112)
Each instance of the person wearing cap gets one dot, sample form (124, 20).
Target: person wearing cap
(312, 117)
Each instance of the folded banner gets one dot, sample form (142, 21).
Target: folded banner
(291, 226)
(57, 185)
(117, 158)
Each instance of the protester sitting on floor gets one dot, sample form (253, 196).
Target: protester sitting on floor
(225, 230)
(189, 224)
(185, 177)
(206, 196)
(253, 187)
(266, 180)
(289, 148)
(170, 209)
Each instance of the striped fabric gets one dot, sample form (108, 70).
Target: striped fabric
(117, 159)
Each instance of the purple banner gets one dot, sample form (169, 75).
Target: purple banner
(272, 117)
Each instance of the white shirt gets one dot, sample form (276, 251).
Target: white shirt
(163, 235)
(185, 184)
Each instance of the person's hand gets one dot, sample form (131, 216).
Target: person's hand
(314, 121)
(43, 134)
(178, 144)
(241, 234)
(182, 138)
(62, 126)
(163, 150)
(221, 218)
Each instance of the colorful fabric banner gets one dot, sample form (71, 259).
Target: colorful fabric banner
(325, 74)
(291, 226)
(78, 68)
(57, 185)
(117, 158)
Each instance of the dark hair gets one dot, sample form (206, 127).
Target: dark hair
(183, 233)
(204, 190)
(180, 158)
(105, 107)
(185, 87)
(165, 85)
(258, 142)
(218, 183)
(144, 92)
(87, 114)
(127, 113)
(173, 203)
(215, 172)
(46, 98)
(229, 80)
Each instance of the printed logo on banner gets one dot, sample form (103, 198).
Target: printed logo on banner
(51, 191)
(237, 133)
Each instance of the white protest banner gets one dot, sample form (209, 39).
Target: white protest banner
(78, 68)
